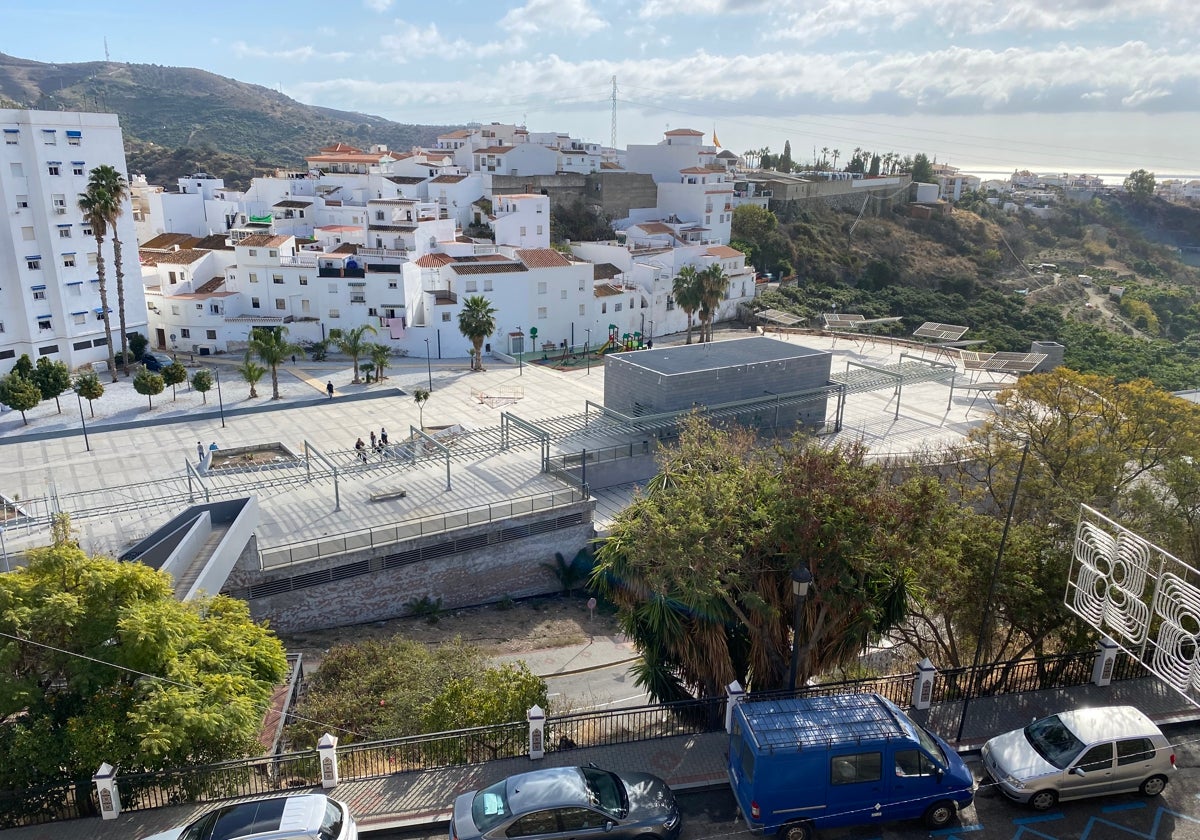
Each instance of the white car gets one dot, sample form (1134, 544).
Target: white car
(309, 816)
(1082, 753)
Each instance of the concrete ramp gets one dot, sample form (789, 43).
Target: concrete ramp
(199, 547)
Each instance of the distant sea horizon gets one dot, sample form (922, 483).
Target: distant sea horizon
(1111, 179)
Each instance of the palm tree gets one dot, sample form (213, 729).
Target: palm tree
(107, 179)
(477, 321)
(686, 289)
(836, 154)
(252, 372)
(94, 204)
(272, 348)
(379, 353)
(824, 157)
(352, 344)
(713, 284)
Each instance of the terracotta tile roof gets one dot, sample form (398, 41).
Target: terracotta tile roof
(345, 248)
(187, 256)
(406, 179)
(542, 258)
(210, 286)
(168, 241)
(263, 240)
(655, 228)
(338, 228)
(696, 170)
(684, 132)
(494, 150)
(338, 148)
(605, 271)
(606, 290)
(461, 134)
(448, 179)
(292, 202)
(725, 153)
(723, 252)
(403, 228)
(487, 268)
(392, 201)
(214, 242)
(434, 260)
(148, 258)
(608, 164)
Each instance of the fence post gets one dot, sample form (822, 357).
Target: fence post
(109, 797)
(1106, 657)
(537, 732)
(733, 695)
(327, 751)
(923, 688)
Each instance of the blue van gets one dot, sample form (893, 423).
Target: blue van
(801, 764)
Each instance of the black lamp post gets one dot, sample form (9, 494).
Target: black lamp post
(87, 445)
(220, 399)
(521, 355)
(801, 580)
(587, 349)
(428, 366)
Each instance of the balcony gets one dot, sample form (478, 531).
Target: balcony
(325, 271)
(386, 254)
(444, 296)
(299, 261)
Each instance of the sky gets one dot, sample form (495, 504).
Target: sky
(1097, 86)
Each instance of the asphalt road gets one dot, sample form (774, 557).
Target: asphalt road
(712, 815)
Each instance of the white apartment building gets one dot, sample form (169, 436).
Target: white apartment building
(680, 148)
(521, 220)
(49, 298)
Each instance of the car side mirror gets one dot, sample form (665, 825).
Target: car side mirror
(609, 825)
(1077, 771)
(939, 773)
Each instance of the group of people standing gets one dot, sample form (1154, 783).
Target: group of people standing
(377, 444)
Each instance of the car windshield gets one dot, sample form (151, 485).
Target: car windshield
(606, 791)
(932, 746)
(490, 806)
(1053, 741)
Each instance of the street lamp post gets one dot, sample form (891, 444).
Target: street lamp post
(79, 399)
(521, 355)
(801, 580)
(428, 366)
(587, 349)
(220, 400)
(4, 550)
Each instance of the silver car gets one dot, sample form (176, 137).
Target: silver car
(1082, 753)
(309, 816)
(575, 800)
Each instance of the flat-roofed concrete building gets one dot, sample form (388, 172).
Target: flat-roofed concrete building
(678, 378)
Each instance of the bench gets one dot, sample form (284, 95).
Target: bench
(388, 495)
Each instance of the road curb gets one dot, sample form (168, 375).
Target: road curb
(587, 668)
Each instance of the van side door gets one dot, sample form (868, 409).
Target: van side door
(857, 791)
(916, 781)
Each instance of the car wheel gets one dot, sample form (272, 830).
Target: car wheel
(939, 814)
(1043, 800)
(1153, 786)
(797, 831)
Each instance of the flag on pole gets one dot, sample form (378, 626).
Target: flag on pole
(716, 142)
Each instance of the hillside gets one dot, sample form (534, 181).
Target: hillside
(181, 120)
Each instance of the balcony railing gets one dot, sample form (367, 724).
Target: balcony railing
(299, 261)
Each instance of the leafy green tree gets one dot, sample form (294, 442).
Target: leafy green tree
(873, 170)
(352, 343)
(97, 207)
(477, 321)
(202, 381)
(688, 291)
(252, 372)
(700, 565)
(19, 394)
(318, 351)
(922, 169)
(1140, 184)
(138, 344)
(785, 160)
(420, 396)
(100, 662)
(380, 354)
(52, 378)
(174, 374)
(23, 367)
(495, 695)
(107, 181)
(271, 346)
(148, 384)
(88, 385)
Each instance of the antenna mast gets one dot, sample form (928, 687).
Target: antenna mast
(613, 140)
(106, 58)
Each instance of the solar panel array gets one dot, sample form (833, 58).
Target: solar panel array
(1001, 362)
(940, 332)
(837, 321)
(793, 722)
(777, 316)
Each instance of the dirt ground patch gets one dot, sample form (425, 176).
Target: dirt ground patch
(534, 624)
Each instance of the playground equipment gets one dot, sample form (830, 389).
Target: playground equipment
(617, 343)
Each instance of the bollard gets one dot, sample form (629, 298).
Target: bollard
(733, 695)
(922, 694)
(327, 751)
(1106, 658)
(537, 732)
(109, 797)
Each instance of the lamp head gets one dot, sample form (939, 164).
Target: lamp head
(801, 581)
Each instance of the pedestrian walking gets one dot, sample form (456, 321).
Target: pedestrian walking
(374, 443)
(382, 436)
(200, 451)
(293, 358)
(362, 450)
(329, 388)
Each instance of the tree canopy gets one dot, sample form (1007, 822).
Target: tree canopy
(1140, 184)
(100, 663)
(477, 321)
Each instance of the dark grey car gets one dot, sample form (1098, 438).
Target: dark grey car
(580, 800)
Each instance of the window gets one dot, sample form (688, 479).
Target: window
(254, 252)
(22, 202)
(34, 265)
(542, 313)
(379, 215)
(392, 284)
(445, 317)
(172, 278)
(562, 294)
(199, 307)
(576, 819)
(39, 294)
(44, 324)
(303, 280)
(603, 308)
(914, 763)
(277, 278)
(333, 313)
(272, 253)
(254, 303)
(214, 309)
(471, 286)
(185, 332)
(79, 317)
(91, 256)
(27, 234)
(59, 200)
(333, 288)
(211, 335)
(530, 825)
(582, 308)
(76, 170)
(539, 230)
(670, 303)
(373, 312)
(280, 303)
(304, 304)
(1134, 751)
(54, 169)
(253, 277)
(522, 230)
(49, 137)
(16, 170)
(1099, 757)
(87, 231)
(64, 232)
(542, 287)
(850, 769)
(74, 138)
(11, 137)
(616, 307)
(174, 309)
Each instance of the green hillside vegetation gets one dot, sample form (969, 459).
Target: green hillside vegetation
(972, 268)
(181, 120)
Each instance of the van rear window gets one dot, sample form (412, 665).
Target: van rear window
(747, 762)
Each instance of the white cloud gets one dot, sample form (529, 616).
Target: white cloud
(410, 41)
(304, 52)
(540, 16)
(378, 5)
(653, 9)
